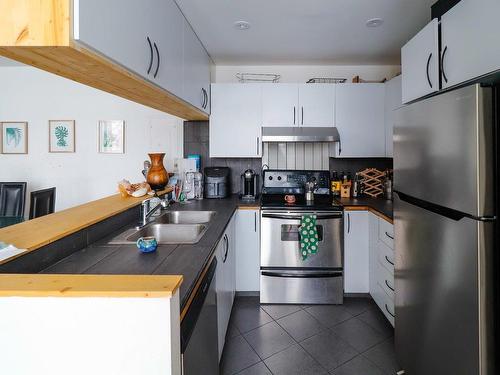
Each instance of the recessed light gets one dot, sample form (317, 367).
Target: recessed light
(242, 25)
(374, 22)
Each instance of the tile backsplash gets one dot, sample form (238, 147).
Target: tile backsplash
(196, 142)
(353, 165)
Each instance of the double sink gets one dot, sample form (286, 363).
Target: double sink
(171, 227)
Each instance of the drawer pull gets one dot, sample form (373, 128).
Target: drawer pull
(387, 309)
(388, 261)
(388, 235)
(390, 287)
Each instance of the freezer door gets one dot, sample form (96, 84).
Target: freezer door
(443, 150)
(442, 315)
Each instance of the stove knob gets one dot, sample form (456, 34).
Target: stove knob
(270, 178)
(279, 178)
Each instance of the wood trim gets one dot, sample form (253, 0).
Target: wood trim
(196, 287)
(84, 66)
(33, 234)
(371, 209)
(40, 285)
(249, 207)
(29, 23)
(39, 33)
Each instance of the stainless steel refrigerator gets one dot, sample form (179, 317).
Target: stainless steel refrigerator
(445, 171)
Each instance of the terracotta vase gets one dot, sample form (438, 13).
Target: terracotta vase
(157, 176)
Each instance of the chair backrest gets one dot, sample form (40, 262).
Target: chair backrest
(12, 198)
(42, 202)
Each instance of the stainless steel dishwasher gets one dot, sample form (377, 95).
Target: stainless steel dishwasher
(199, 336)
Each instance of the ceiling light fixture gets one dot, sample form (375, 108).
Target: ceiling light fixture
(242, 25)
(374, 22)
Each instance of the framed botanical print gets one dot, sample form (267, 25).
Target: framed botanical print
(61, 136)
(14, 137)
(112, 137)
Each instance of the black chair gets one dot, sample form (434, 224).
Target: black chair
(12, 198)
(42, 202)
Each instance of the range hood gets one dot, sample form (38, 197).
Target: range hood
(300, 134)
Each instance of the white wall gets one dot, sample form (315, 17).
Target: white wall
(302, 73)
(35, 96)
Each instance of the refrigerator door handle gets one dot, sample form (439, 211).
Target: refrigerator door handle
(450, 213)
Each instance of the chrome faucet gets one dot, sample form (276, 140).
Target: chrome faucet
(147, 211)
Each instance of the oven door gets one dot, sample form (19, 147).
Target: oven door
(280, 240)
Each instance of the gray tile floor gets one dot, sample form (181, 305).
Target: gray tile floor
(349, 339)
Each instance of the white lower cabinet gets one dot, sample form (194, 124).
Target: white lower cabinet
(225, 281)
(247, 250)
(382, 266)
(356, 278)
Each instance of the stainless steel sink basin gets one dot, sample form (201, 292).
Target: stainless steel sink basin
(185, 217)
(170, 233)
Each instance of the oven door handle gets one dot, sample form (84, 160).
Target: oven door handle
(299, 217)
(310, 275)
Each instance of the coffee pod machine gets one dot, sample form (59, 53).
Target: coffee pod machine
(248, 186)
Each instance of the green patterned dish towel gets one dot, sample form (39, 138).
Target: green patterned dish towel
(308, 236)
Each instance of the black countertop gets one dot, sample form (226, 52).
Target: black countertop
(380, 205)
(186, 260)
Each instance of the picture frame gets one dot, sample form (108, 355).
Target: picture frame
(111, 137)
(14, 137)
(62, 136)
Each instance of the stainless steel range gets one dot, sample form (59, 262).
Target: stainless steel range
(284, 276)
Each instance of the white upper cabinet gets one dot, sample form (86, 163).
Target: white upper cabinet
(420, 63)
(235, 120)
(166, 36)
(196, 70)
(290, 104)
(150, 38)
(126, 38)
(393, 101)
(280, 104)
(469, 41)
(360, 119)
(317, 103)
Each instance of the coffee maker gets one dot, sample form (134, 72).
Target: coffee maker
(248, 186)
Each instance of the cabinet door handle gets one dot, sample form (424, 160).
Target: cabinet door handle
(302, 115)
(158, 56)
(203, 98)
(348, 223)
(428, 63)
(226, 245)
(294, 114)
(390, 287)
(388, 261)
(206, 98)
(387, 309)
(388, 235)
(442, 64)
(150, 54)
(255, 221)
(258, 146)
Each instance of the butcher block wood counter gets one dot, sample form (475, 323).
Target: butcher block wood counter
(33, 234)
(39, 285)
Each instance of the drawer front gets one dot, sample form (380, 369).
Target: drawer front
(386, 281)
(384, 303)
(386, 233)
(385, 256)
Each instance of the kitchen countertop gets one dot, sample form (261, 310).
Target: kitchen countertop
(188, 260)
(379, 206)
(33, 234)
